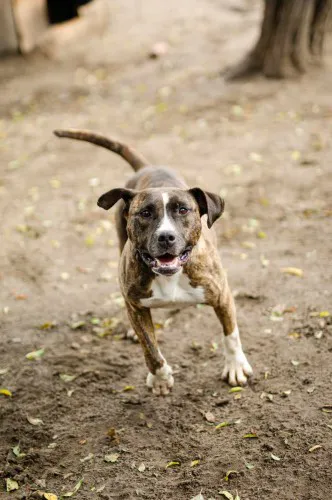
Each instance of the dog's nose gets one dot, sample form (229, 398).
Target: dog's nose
(166, 239)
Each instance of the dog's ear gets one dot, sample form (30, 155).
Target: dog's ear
(107, 200)
(208, 203)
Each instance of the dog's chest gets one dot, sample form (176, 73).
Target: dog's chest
(174, 291)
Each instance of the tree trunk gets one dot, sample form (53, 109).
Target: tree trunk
(292, 36)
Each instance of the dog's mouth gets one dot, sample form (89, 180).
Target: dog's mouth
(166, 264)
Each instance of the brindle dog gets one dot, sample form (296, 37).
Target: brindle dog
(168, 257)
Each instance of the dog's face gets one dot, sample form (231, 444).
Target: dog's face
(164, 224)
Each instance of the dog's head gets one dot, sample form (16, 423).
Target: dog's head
(164, 224)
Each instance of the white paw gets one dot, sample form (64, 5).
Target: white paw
(131, 335)
(162, 381)
(237, 369)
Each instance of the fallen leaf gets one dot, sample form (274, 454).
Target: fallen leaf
(67, 378)
(128, 388)
(77, 324)
(34, 421)
(261, 235)
(209, 416)
(193, 463)
(174, 463)
(255, 157)
(250, 435)
(50, 496)
(75, 490)
(198, 497)
(316, 447)
(6, 392)
(11, 485)
(112, 458)
(226, 494)
(17, 451)
(230, 473)
(141, 467)
(221, 425)
(89, 241)
(295, 155)
(274, 457)
(249, 466)
(32, 356)
(294, 335)
(48, 325)
(87, 458)
(236, 389)
(324, 314)
(295, 271)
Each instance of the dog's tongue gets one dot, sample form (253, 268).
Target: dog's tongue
(166, 259)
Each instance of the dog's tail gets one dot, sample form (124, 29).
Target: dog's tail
(134, 159)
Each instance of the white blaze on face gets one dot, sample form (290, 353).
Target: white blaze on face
(165, 223)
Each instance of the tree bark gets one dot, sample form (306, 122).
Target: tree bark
(292, 37)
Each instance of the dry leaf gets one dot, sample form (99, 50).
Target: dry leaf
(34, 421)
(87, 458)
(6, 392)
(67, 378)
(209, 416)
(75, 490)
(174, 463)
(230, 473)
(141, 467)
(226, 494)
(194, 463)
(112, 458)
(295, 271)
(316, 447)
(236, 389)
(50, 496)
(17, 452)
(11, 485)
(221, 425)
(32, 356)
(250, 435)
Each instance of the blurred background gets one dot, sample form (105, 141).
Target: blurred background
(165, 77)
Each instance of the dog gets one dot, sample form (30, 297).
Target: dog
(168, 257)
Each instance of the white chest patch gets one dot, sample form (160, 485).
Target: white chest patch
(174, 291)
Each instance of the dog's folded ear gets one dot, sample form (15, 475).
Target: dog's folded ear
(107, 200)
(208, 203)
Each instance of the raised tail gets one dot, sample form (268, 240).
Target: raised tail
(134, 159)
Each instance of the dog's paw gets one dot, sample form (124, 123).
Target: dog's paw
(131, 335)
(237, 369)
(162, 381)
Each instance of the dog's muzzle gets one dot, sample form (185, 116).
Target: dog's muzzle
(166, 264)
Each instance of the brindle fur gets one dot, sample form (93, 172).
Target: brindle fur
(204, 268)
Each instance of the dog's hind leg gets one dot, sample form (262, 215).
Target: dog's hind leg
(159, 378)
(237, 368)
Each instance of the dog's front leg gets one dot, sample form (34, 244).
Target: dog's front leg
(237, 368)
(159, 378)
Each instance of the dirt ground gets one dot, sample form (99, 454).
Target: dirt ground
(266, 146)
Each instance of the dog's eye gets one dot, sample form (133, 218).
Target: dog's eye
(145, 214)
(183, 211)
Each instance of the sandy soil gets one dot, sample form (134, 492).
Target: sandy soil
(266, 146)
